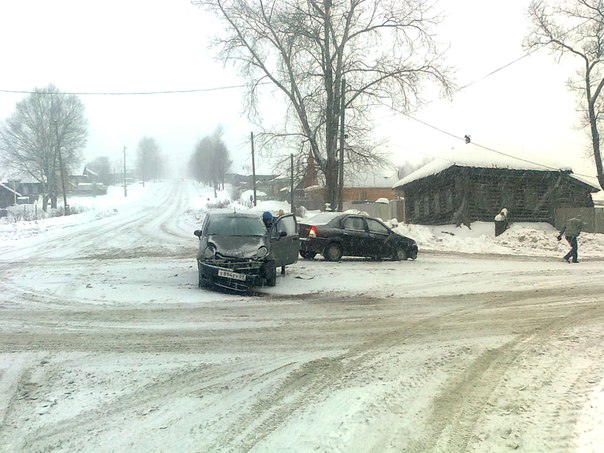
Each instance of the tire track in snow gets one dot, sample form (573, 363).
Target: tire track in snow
(468, 399)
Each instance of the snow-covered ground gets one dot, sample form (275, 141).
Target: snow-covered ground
(106, 344)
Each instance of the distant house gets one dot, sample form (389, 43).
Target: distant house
(8, 195)
(473, 184)
(359, 188)
(88, 183)
(22, 189)
(28, 187)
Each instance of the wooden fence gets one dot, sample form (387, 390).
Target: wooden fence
(592, 217)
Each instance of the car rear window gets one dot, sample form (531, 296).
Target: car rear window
(322, 218)
(236, 226)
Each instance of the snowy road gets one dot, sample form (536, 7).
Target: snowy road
(107, 344)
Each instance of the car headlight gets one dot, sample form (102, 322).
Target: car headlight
(262, 252)
(209, 252)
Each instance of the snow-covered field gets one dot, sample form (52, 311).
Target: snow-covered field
(107, 344)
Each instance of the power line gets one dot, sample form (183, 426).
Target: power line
(230, 87)
(495, 71)
(484, 147)
(126, 93)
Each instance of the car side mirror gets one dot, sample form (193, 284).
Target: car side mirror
(197, 233)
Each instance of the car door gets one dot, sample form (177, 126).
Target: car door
(285, 242)
(354, 235)
(378, 238)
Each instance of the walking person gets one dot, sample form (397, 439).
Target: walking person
(571, 231)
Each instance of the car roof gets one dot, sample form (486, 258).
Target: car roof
(323, 218)
(229, 213)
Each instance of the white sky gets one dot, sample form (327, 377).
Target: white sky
(159, 45)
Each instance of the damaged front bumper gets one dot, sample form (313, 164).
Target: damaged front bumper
(233, 275)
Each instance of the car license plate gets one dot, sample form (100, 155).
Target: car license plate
(229, 274)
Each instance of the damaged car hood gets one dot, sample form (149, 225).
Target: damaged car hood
(237, 246)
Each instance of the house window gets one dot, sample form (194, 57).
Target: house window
(416, 210)
(531, 198)
(449, 200)
(436, 203)
(507, 196)
(426, 205)
(482, 197)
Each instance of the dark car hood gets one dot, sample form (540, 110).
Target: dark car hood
(238, 246)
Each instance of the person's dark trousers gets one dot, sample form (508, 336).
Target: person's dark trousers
(574, 252)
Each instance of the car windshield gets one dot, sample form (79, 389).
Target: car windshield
(236, 226)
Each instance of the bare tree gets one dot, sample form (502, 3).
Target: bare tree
(382, 51)
(149, 161)
(407, 167)
(576, 27)
(47, 128)
(210, 161)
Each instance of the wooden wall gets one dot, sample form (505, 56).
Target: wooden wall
(462, 195)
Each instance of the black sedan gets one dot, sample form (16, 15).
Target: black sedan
(337, 234)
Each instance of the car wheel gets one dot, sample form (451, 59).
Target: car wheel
(270, 273)
(400, 254)
(333, 252)
(308, 255)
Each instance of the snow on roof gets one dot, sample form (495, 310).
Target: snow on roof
(10, 189)
(89, 171)
(377, 177)
(471, 155)
(590, 181)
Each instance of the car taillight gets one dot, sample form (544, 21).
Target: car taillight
(312, 232)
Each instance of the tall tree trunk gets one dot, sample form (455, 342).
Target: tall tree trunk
(595, 141)
(331, 181)
(331, 126)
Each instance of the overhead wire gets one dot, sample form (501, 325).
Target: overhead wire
(230, 87)
(489, 74)
(127, 93)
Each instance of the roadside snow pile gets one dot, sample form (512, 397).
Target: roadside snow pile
(522, 238)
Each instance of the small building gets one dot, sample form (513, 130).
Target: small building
(26, 187)
(360, 188)
(8, 196)
(88, 183)
(473, 184)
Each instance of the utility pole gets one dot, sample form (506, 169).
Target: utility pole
(125, 189)
(342, 137)
(65, 207)
(291, 163)
(253, 168)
